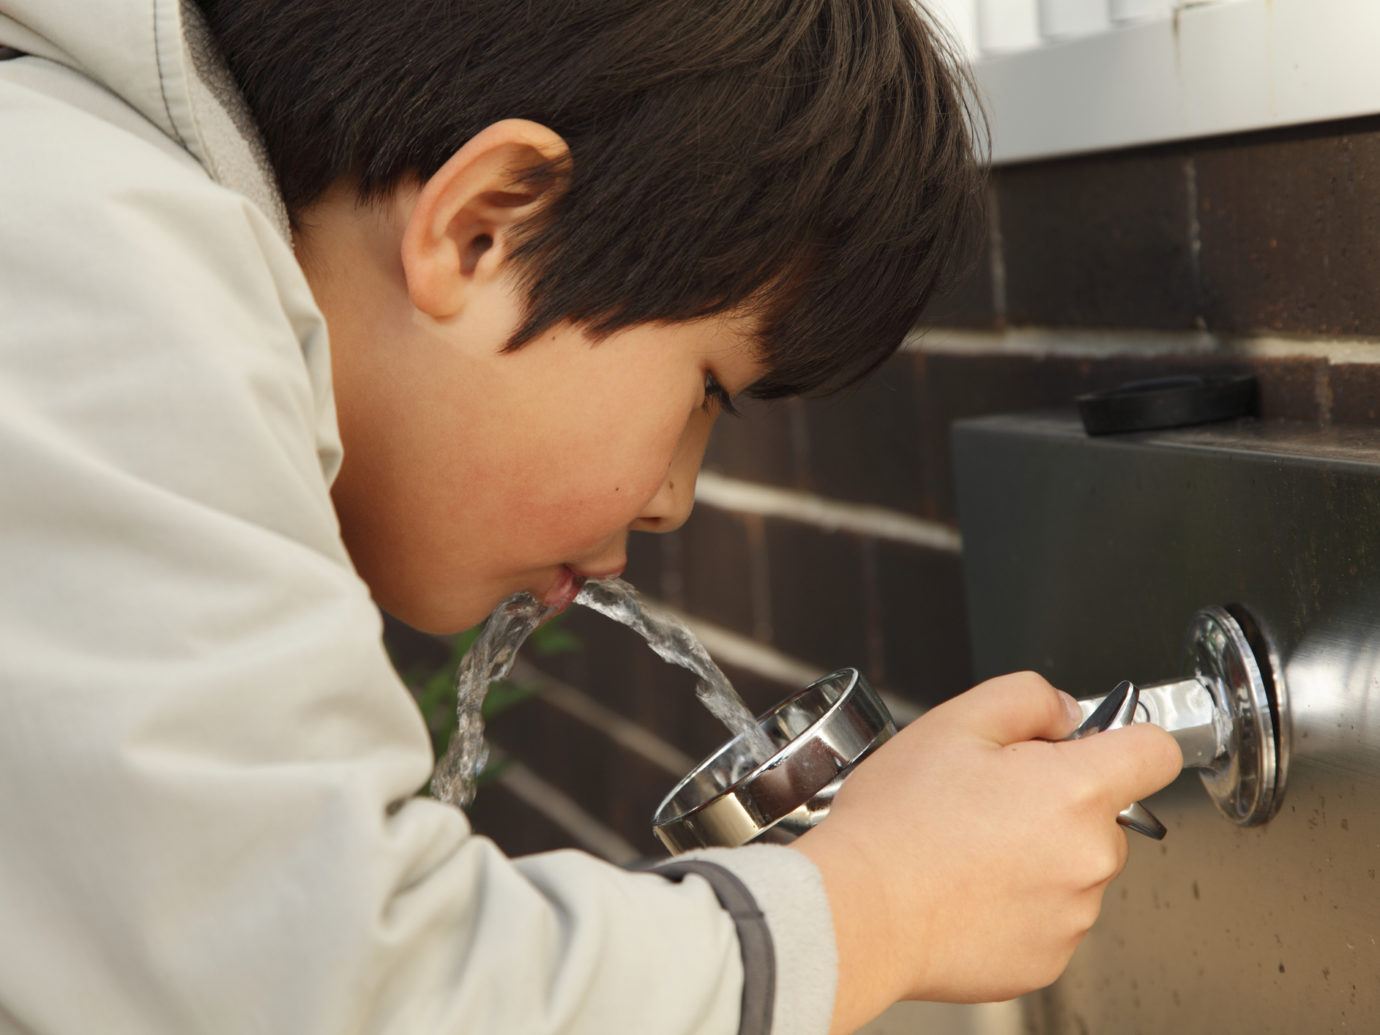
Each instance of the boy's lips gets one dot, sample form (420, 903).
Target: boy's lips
(607, 573)
(562, 593)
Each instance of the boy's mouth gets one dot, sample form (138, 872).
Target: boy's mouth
(566, 588)
(563, 591)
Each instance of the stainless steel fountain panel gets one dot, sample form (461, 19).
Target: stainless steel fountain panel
(1084, 559)
(820, 733)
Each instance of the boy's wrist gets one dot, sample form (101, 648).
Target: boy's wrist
(873, 971)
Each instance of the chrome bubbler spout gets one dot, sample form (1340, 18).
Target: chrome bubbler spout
(819, 735)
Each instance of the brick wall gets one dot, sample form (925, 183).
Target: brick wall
(825, 534)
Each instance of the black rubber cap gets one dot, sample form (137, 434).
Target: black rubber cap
(1168, 402)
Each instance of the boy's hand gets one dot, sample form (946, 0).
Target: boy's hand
(966, 859)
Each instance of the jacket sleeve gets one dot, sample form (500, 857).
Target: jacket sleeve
(209, 767)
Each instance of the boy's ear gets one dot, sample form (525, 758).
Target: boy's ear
(460, 229)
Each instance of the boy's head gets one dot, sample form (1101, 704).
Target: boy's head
(543, 233)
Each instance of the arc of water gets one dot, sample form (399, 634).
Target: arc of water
(513, 621)
(488, 660)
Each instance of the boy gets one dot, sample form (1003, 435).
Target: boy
(549, 242)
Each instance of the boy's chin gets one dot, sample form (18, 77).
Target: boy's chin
(441, 618)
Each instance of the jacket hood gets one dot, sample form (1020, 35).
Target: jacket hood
(158, 57)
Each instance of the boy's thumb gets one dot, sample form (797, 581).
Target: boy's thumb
(1131, 763)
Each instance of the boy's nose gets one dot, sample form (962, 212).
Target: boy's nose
(671, 506)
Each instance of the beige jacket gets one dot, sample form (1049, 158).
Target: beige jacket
(208, 768)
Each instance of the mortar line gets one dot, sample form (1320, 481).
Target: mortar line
(735, 649)
(724, 493)
(618, 728)
(1039, 342)
(1096, 344)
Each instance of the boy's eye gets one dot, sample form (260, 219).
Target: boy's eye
(717, 393)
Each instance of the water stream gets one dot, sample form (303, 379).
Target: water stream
(489, 659)
(512, 622)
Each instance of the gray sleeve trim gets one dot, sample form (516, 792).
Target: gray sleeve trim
(754, 938)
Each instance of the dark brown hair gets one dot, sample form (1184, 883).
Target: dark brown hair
(813, 159)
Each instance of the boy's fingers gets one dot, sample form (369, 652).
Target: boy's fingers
(1130, 763)
(1010, 709)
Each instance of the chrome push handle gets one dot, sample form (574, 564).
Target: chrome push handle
(1228, 719)
(1114, 711)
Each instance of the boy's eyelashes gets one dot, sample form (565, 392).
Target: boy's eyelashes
(718, 394)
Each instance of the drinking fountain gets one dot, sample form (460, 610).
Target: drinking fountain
(1226, 716)
(1085, 556)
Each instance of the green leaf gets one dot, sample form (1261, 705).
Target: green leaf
(434, 689)
(460, 644)
(503, 695)
(553, 639)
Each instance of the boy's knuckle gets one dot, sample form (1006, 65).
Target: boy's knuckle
(1094, 866)
(1122, 850)
(1020, 682)
(1039, 695)
(1085, 790)
(1087, 919)
(1032, 975)
(1052, 966)
(1032, 680)
(1109, 859)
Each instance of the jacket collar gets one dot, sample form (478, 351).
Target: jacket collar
(158, 56)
